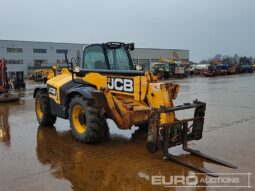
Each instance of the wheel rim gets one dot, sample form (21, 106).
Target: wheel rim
(38, 108)
(79, 127)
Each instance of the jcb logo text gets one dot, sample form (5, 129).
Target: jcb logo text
(121, 84)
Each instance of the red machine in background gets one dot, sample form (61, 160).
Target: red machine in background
(5, 95)
(220, 67)
(4, 85)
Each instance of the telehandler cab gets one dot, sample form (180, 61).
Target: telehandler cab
(106, 85)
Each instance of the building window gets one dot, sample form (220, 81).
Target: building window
(14, 61)
(61, 61)
(40, 62)
(14, 50)
(39, 50)
(61, 51)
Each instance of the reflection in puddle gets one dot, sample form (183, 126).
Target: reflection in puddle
(117, 163)
(5, 136)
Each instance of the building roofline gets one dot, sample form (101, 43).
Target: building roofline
(43, 42)
(163, 49)
(89, 44)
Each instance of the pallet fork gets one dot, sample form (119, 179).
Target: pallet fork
(180, 133)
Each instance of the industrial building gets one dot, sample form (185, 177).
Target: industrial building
(27, 55)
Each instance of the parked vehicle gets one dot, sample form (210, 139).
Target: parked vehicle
(246, 68)
(40, 74)
(161, 70)
(87, 96)
(245, 65)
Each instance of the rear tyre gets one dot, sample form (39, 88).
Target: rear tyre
(43, 110)
(86, 122)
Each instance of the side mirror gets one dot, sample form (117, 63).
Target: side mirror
(131, 46)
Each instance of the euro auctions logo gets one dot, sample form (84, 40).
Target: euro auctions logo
(173, 181)
(225, 180)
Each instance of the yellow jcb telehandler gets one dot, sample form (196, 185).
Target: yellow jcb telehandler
(106, 85)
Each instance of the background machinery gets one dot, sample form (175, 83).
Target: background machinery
(5, 93)
(18, 80)
(107, 86)
(40, 74)
(245, 65)
(4, 84)
(175, 67)
(161, 70)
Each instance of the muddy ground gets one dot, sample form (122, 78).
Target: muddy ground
(47, 159)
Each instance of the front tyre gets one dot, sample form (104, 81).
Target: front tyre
(86, 123)
(43, 110)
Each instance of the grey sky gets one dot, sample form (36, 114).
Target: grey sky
(205, 27)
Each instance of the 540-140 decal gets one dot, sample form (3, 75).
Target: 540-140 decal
(52, 90)
(121, 84)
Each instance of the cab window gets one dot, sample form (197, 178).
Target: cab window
(118, 58)
(94, 58)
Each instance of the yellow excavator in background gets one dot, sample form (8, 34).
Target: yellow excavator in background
(105, 86)
(40, 74)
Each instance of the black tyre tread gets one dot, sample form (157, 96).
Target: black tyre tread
(97, 125)
(48, 119)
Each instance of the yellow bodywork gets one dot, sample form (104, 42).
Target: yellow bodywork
(57, 82)
(39, 112)
(80, 128)
(125, 108)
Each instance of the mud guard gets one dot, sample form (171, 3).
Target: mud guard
(85, 91)
(61, 110)
(44, 89)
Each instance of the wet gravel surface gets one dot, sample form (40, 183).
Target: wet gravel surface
(46, 159)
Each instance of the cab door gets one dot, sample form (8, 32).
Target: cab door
(94, 58)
